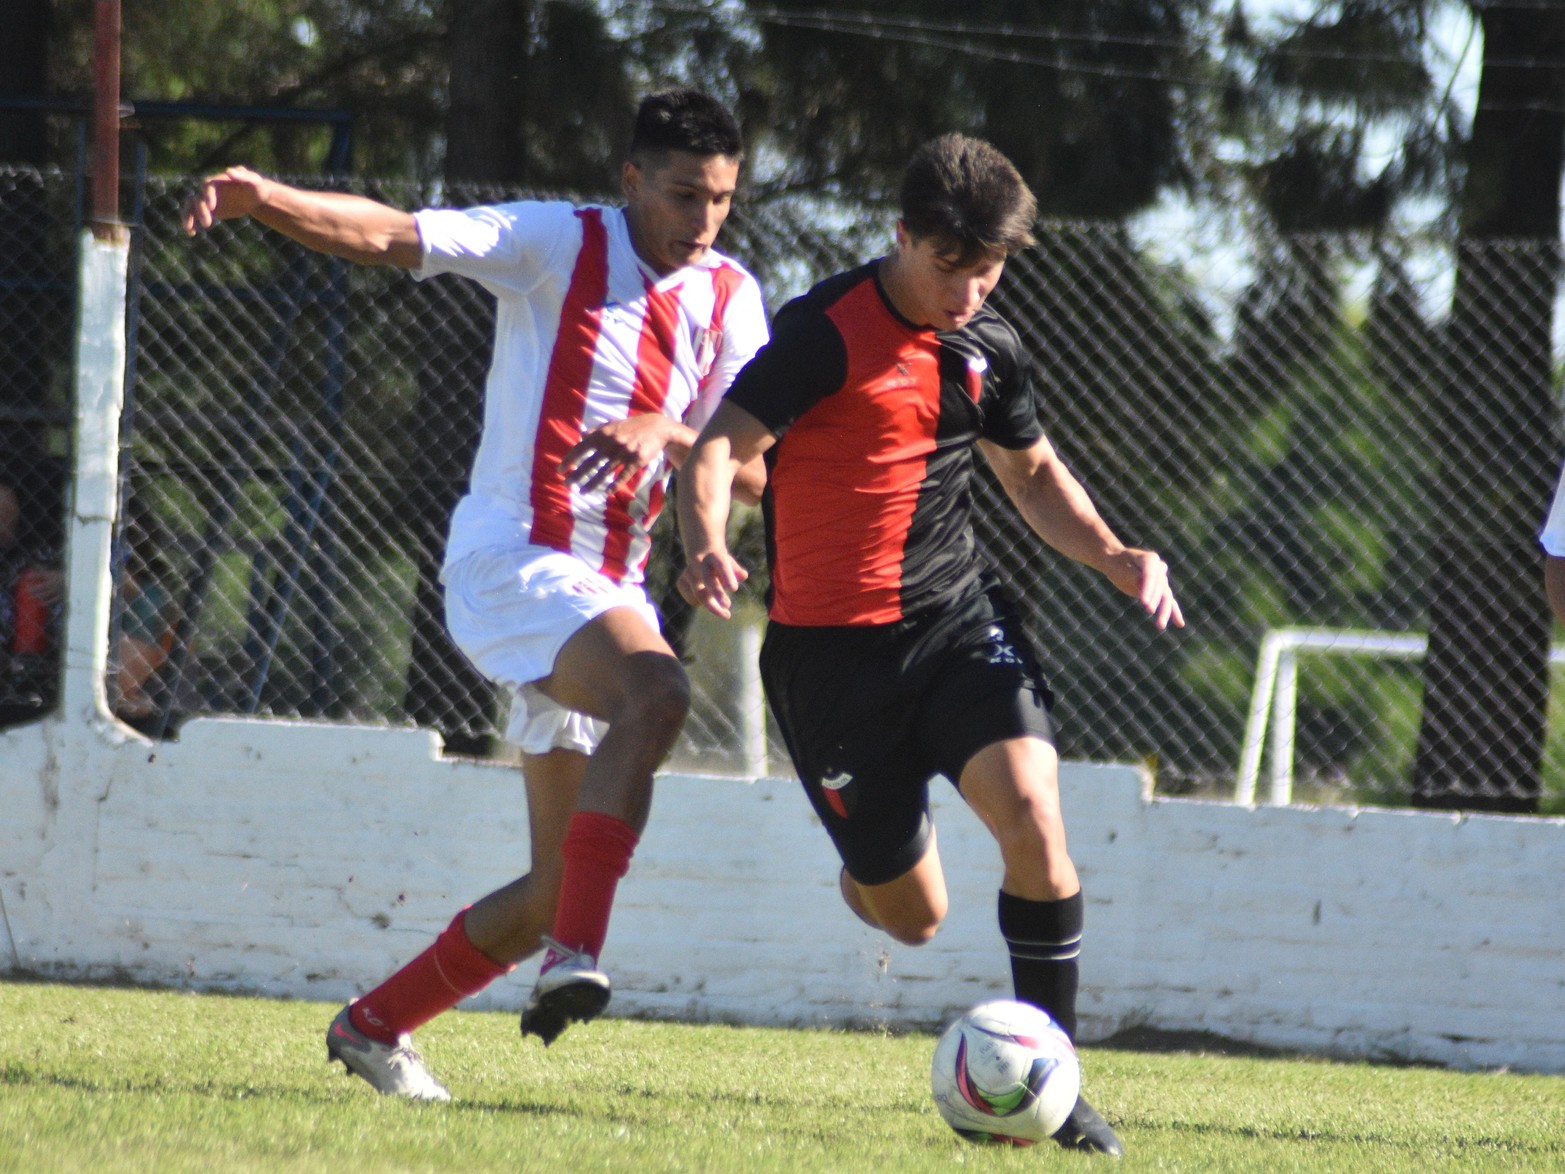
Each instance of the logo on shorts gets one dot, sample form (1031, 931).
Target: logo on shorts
(831, 786)
(999, 651)
(586, 586)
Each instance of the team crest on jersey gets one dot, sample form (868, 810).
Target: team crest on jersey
(976, 366)
(834, 786)
(705, 343)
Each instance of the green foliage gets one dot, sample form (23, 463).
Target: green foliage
(1284, 469)
(1076, 92)
(1105, 105)
(1086, 104)
(1343, 121)
(1553, 802)
(382, 60)
(111, 1079)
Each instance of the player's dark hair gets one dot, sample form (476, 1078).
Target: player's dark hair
(684, 120)
(967, 195)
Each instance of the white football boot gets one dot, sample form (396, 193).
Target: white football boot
(395, 1069)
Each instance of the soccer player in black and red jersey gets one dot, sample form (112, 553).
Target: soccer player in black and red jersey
(891, 654)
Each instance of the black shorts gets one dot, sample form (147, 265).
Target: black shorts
(871, 714)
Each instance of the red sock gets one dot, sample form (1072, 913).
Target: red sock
(437, 980)
(596, 853)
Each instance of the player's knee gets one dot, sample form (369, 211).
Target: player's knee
(915, 933)
(657, 696)
(1030, 823)
(916, 925)
(919, 937)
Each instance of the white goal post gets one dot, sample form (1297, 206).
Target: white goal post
(1276, 695)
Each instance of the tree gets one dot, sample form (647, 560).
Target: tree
(1486, 675)
(35, 305)
(24, 59)
(1352, 68)
(1079, 93)
(487, 111)
(540, 94)
(1344, 122)
(1092, 116)
(383, 61)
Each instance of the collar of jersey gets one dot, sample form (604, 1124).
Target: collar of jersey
(885, 300)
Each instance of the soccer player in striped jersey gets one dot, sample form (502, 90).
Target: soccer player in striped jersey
(617, 332)
(891, 654)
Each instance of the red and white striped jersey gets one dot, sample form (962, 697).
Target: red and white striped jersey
(585, 333)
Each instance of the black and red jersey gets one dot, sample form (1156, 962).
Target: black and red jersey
(868, 503)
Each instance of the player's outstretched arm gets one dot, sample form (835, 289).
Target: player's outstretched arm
(359, 229)
(731, 440)
(1057, 507)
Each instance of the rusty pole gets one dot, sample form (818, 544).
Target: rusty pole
(106, 122)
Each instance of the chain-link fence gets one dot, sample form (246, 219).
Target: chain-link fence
(37, 293)
(300, 432)
(1328, 434)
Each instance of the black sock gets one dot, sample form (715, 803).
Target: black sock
(1044, 938)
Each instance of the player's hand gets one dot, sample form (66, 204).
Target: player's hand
(1144, 574)
(234, 193)
(617, 451)
(710, 581)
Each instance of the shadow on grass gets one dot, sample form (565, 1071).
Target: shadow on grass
(1193, 1043)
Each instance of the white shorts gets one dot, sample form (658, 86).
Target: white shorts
(510, 610)
(1553, 535)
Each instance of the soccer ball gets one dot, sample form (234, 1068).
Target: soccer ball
(1005, 1072)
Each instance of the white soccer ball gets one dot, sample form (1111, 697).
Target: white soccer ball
(1005, 1072)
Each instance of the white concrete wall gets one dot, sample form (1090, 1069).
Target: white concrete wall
(309, 861)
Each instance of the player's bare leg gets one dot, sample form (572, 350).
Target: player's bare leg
(620, 670)
(510, 922)
(1013, 786)
(909, 908)
(492, 935)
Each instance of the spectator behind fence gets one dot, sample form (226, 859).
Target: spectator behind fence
(32, 585)
(149, 616)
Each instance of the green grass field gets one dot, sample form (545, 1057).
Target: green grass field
(101, 1079)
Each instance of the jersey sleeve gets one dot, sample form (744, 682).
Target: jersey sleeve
(744, 332)
(805, 361)
(1011, 418)
(507, 248)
